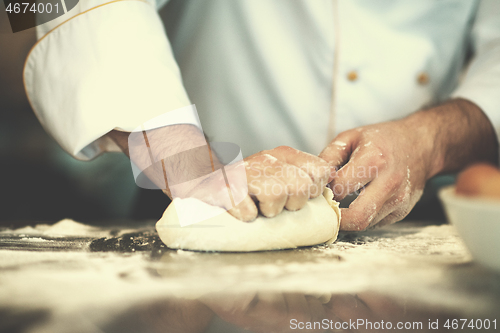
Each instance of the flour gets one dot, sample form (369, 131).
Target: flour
(412, 262)
(63, 228)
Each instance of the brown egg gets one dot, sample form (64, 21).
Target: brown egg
(479, 180)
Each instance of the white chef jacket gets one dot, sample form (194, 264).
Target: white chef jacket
(262, 73)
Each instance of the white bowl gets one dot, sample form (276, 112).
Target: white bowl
(478, 223)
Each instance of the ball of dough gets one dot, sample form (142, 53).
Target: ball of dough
(316, 223)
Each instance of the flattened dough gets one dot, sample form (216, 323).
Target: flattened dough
(318, 222)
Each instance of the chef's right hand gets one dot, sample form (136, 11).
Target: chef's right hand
(279, 178)
(284, 177)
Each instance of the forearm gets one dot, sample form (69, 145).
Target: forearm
(454, 134)
(179, 151)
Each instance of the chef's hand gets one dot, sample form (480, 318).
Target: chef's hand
(278, 178)
(384, 158)
(275, 179)
(285, 177)
(390, 162)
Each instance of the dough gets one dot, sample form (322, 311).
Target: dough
(317, 222)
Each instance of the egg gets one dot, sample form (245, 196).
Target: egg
(479, 180)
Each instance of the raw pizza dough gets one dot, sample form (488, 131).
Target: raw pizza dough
(316, 223)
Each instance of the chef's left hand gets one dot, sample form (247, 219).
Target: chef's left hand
(390, 162)
(382, 161)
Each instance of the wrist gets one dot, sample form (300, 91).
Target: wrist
(454, 134)
(167, 155)
(423, 128)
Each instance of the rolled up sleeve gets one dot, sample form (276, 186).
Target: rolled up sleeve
(107, 65)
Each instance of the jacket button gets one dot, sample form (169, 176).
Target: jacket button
(423, 78)
(352, 76)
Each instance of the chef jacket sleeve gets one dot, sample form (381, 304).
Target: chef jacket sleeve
(481, 83)
(103, 65)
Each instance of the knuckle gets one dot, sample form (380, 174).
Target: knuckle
(299, 188)
(315, 176)
(377, 159)
(284, 149)
(323, 165)
(322, 170)
(275, 192)
(391, 185)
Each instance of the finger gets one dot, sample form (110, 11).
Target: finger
(245, 211)
(365, 163)
(264, 183)
(363, 211)
(337, 153)
(298, 187)
(297, 182)
(394, 210)
(214, 191)
(270, 194)
(317, 169)
(242, 205)
(349, 180)
(400, 203)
